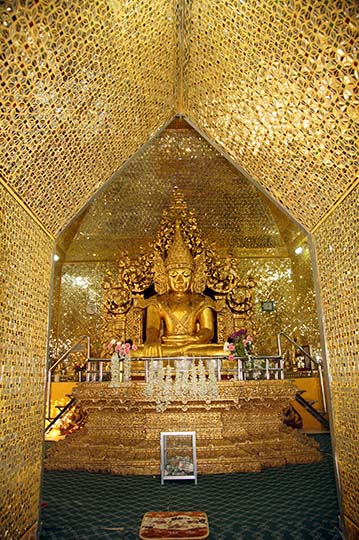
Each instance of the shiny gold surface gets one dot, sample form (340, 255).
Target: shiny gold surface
(287, 281)
(18, 199)
(180, 320)
(25, 280)
(276, 86)
(337, 246)
(352, 529)
(192, 283)
(230, 211)
(84, 87)
(241, 430)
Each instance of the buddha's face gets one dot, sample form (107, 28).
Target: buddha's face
(179, 279)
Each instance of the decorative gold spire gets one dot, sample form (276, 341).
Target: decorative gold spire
(179, 256)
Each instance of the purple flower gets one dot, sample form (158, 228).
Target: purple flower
(238, 334)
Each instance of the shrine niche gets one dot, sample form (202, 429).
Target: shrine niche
(179, 298)
(129, 292)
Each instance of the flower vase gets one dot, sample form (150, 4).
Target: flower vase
(250, 364)
(115, 371)
(126, 369)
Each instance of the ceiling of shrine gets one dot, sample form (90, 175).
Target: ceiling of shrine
(274, 85)
(85, 85)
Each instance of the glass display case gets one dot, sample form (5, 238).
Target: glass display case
(178, 456)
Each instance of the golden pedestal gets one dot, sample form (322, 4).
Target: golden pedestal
(241, 430)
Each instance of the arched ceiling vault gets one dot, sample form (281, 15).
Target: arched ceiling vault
(233, 216)
(275, 85)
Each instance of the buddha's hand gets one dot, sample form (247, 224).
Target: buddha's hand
(175, 340)
(191, 339)
(153, 349)
(203, 336)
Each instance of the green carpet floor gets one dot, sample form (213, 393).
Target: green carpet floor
(296, 502)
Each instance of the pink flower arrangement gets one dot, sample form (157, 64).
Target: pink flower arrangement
(239, 343)
(122, 348)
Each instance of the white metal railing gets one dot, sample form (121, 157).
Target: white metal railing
(260, 367)
(96, 366)
(183, 363)
(243, 368)
(73, 348)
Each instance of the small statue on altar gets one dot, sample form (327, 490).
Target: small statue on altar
(179, 322)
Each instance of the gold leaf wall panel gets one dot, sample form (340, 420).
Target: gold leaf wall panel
(81, 288)
(338, 248)
(289, 283)
(275, 84)
(25, 267)
(83, 87)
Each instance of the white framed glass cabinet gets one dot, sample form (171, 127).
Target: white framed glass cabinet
(178, 456)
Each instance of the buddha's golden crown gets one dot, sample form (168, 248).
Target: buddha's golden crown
(179, 256)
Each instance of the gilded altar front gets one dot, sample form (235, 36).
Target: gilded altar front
(239, 431)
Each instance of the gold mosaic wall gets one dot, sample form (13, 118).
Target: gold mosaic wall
(84, 86)
(289, 283)
(230, 211)
(81, 289)
(338, 247)
(25, 265)
(295, 310)
(275, 84)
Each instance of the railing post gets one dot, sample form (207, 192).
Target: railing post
(100, 370)
(316, 361)
(88, 346)
(267, 369)
(281, 364)
(240, 369)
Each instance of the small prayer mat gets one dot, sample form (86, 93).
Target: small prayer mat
(179, 525)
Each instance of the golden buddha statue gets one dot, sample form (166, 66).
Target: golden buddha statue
(179, 322)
